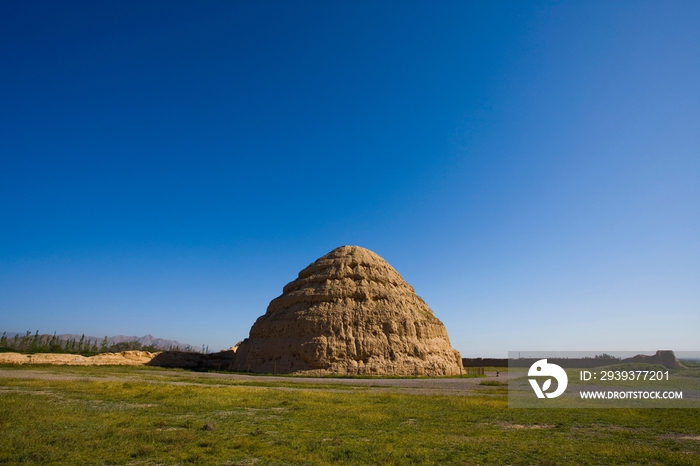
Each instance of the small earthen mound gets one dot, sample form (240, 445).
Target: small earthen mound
(666, 358)
(349, 312)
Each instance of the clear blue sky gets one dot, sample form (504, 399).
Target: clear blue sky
(531, 168)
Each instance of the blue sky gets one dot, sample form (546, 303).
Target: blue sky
(531, 168)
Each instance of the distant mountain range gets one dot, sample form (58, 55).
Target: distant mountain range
(148, 340)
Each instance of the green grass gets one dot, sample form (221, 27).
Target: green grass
(149, 416)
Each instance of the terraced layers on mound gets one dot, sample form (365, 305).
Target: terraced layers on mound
(349, 312)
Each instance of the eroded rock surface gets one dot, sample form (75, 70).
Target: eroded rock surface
(349, 312)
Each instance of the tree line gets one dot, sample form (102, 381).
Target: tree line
(52, 344)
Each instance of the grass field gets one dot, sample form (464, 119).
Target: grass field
(149, 416)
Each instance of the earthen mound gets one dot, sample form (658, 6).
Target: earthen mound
(125, 358)
(349, 312)
(666, 358)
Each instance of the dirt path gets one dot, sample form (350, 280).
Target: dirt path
(431, 386)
